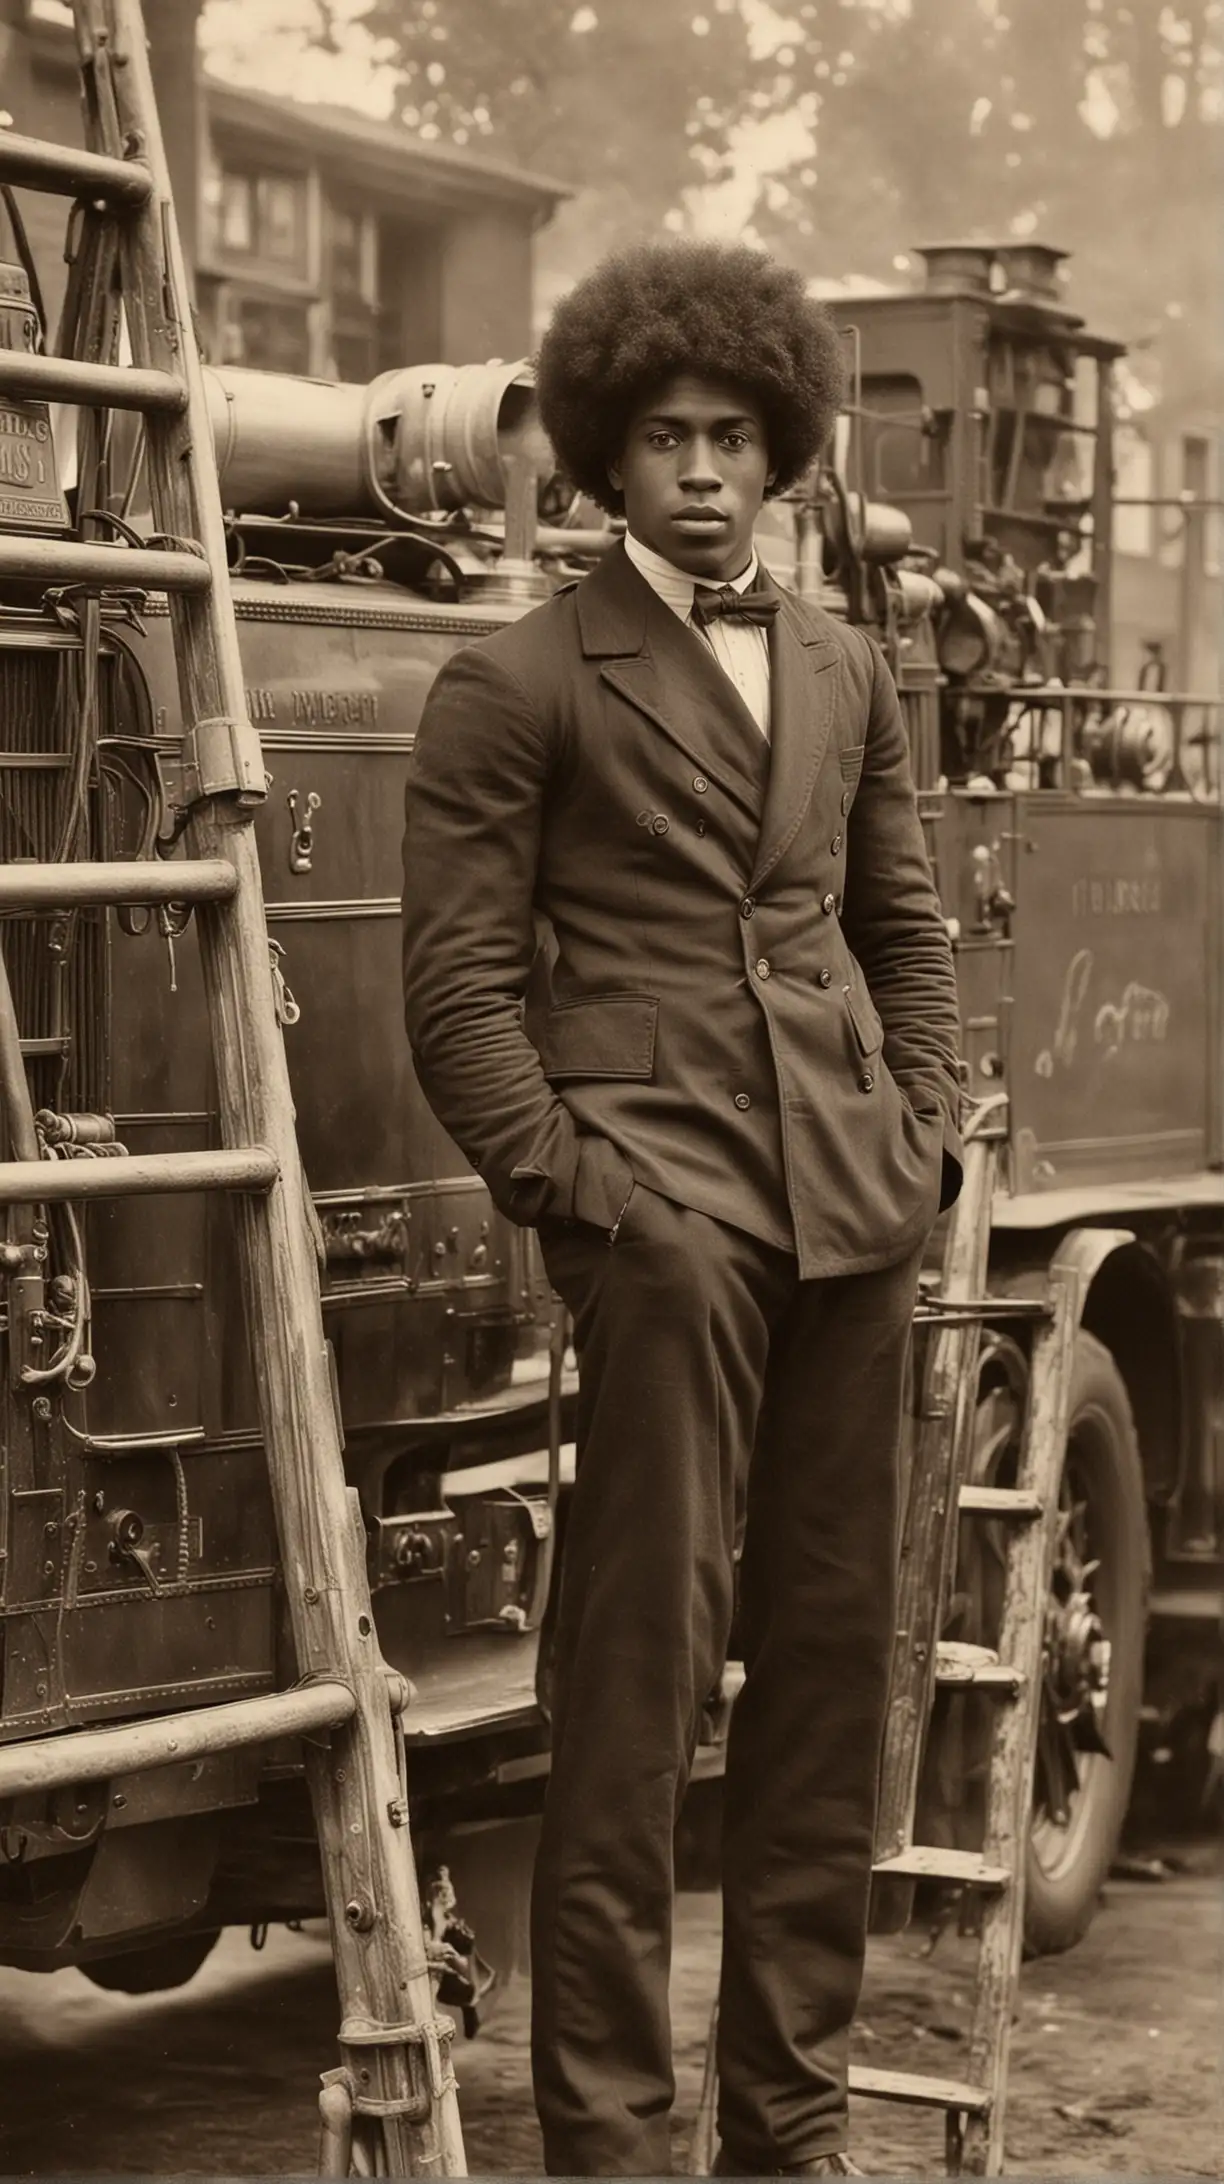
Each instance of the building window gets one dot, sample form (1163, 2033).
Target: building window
(267, 333)
(261, 216)
(1134, 480)
(351, 254)
(1199, 483)
(280, 218)
(237, 213)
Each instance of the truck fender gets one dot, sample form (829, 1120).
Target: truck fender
(1083, 1252)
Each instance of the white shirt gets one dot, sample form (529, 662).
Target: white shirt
(740, 648)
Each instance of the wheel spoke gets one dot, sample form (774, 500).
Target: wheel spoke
(1057, 1772)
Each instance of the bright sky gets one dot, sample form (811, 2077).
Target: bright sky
(264, 44)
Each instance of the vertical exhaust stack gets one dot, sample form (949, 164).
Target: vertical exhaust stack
(1030, 272)
(954, 268)
(1021, 272)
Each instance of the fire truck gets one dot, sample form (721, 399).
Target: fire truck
(1076, 833)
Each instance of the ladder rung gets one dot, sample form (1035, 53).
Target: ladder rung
(69, 561)
(958, 1664)
(1000, 1501)
(95, 1755)
(33, 164)
(35, 1182)
(102, 386)
(951, 1311)
(153, 880)
(908, 2085)
(923, 1862)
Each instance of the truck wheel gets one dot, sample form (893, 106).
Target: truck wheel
(1095, 1629)
(153, 1970)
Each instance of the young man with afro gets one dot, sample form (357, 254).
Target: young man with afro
(732, 1119)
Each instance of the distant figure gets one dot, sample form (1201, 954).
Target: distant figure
(733, 1126)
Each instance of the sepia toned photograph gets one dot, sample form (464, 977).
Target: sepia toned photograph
(611, 1088)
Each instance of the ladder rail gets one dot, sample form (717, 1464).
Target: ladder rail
(1029, 1550)
(941, 1455)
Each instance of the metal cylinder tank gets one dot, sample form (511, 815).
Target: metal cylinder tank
(426, 438)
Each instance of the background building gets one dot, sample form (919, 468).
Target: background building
(326, 242)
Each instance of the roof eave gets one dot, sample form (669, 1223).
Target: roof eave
(443, 173)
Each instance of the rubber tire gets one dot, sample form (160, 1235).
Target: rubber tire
(153, 1970)
(1060, 1905)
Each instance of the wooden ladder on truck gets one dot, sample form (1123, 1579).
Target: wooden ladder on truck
(391, 2106)
(939, 1497)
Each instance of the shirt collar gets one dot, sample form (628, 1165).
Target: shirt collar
(674, 586)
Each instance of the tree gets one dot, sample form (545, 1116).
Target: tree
(876, 124)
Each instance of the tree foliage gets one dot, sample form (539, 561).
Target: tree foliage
(841, 131)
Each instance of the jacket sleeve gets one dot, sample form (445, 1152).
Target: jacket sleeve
(474, 812)
(894, 923)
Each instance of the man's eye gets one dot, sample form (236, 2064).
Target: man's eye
(662, 439)
(735, 440)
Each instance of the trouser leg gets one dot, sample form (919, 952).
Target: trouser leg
(817, 1594)
(671, 1324)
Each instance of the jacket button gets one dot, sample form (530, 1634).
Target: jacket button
(659, 825)
(742, 1101)
(835, 845)
(828, 905)
(644, 818)
(763, 968)
(824, 978)
(747, 906)
(847, 800)
(866, 1082)
(700, 784)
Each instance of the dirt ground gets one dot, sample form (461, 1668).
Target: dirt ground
(1116, 2053)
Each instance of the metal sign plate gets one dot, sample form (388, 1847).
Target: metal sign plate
(30, 496)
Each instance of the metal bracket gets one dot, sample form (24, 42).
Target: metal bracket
(223, 757)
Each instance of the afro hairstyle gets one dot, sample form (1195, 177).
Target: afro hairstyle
(723, 313)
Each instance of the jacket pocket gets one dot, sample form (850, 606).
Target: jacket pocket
(606, 1035)
(850, 759)
(868, 1030)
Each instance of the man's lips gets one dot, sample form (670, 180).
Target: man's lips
(700, 518)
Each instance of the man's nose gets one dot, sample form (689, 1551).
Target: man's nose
(699, 470)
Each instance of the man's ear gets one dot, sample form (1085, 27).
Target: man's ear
(615, 477)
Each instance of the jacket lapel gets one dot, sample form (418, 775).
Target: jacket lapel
(803, 689)
(669, 675)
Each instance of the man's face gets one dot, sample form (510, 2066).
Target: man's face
(694, 471)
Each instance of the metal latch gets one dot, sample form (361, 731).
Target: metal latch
(127, 1532)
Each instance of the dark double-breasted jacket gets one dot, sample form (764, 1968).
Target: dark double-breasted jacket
(750, 1000)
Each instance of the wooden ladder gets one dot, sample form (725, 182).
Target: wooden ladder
(940, 1496)
(390, 2107)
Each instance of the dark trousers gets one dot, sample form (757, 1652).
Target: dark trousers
(714, 1382)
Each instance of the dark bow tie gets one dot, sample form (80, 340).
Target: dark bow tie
(712, 601)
